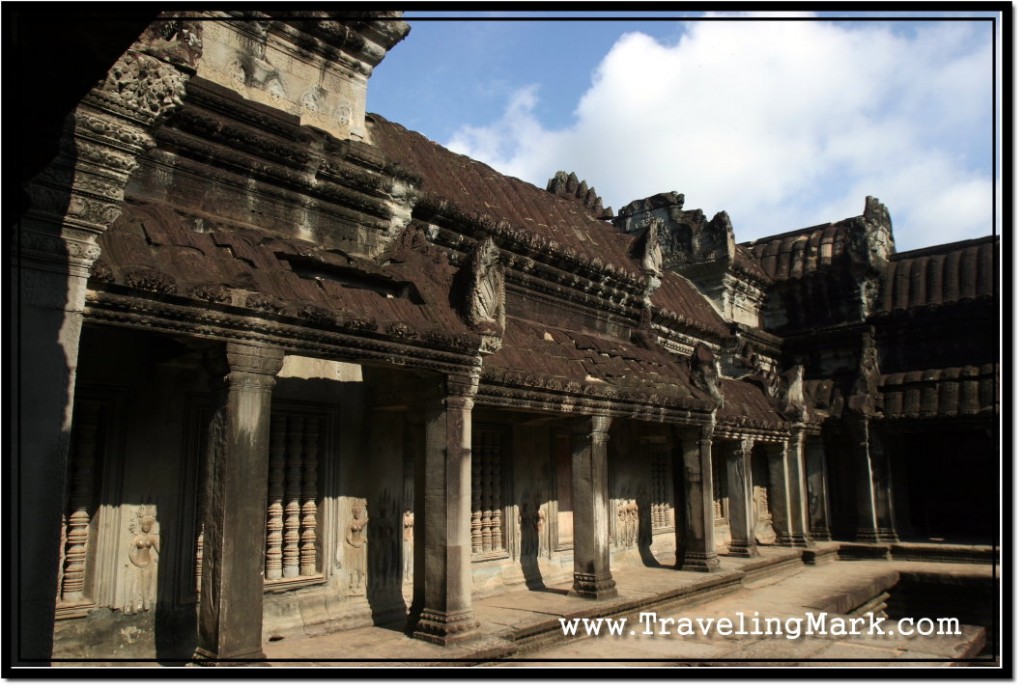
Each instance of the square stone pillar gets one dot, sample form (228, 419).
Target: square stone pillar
(592, 576)
(445, 581)
(235, 503)
(797, 478)
(875, 515)
(695, 533)
(741, 499)
(51, 268)
(818, 511)
(782, 495)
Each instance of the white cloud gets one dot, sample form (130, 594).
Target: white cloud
(782, 124)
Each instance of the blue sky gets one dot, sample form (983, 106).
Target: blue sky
(783, 124)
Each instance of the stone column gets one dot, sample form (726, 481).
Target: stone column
(592, 576)
(875, 515)
(50, 274)
(235, 503)
(797, 479)
(698, 530)
(780, 494)
(820, 526)
(444, 585)
(72, 202)
(741, 499)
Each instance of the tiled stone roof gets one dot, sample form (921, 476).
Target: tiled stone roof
(940, 275)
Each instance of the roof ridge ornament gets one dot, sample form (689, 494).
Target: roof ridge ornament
(568, 186)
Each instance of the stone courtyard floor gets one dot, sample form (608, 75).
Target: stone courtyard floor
(522, 629)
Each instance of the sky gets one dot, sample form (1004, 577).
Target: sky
(782, 122)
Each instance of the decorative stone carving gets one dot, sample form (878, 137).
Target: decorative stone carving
(484, 307)
(384, 568)
(864, 392)
(628, 521)
(179, 42)
(408, 545)
(764, 532)
(878, 238)
(791, 393)
(352, 549)
(143, 556)
(704, 372)
(543, 532)
(142, 88)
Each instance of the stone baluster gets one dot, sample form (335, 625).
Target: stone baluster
(476, 517)
(275, 499)
(293, 496)
(310, 462)
(80, 500)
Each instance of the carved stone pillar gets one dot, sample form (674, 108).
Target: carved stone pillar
(696, 550)
(72, 201)
(741, 499)
(592, 576)
(873, 490)
(818, 511)
(445, 583)
(235, 503)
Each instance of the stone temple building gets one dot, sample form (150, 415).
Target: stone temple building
(286, 367)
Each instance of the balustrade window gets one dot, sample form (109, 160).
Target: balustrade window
(662, 514)
(293, 543)
(84, 465)
(487, 521)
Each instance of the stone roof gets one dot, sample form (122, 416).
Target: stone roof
(155, 249)
(949, 392)
(476, 189)
(940, 275)
(540, 356)
(800, 252)
(746, 405)
(678, 299)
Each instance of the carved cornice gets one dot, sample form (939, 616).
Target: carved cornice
(606, 403)
(337, 342)
(525, 244)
